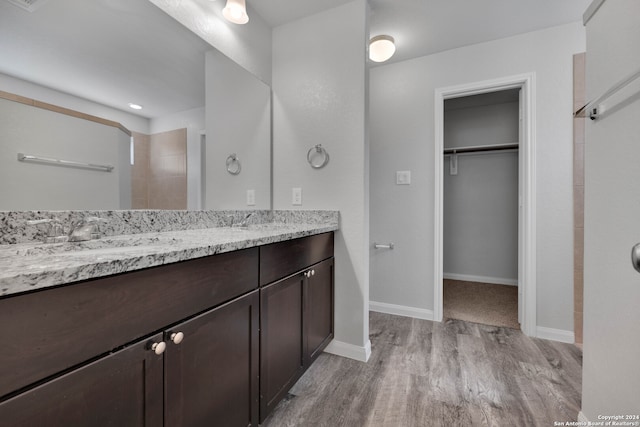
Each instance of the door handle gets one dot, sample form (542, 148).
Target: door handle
(635, 257)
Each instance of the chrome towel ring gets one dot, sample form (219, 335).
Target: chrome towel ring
(233, 164)
(317, 157)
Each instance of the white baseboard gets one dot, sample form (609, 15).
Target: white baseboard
(340, 348)
(582, 417)
(555, 334)
(480, 279)
(401, 310)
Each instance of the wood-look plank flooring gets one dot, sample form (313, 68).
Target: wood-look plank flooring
(453, 373)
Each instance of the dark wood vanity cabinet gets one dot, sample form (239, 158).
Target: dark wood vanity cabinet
(296, 313)
(121, 389)
(189, 344)
(211, 376)
(84, 355)
(281, 340)
(318, 320)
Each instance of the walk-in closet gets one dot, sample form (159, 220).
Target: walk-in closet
(480, 207)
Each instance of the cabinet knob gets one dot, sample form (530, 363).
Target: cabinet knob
(176, 337)
(313, 272)
(158, 347)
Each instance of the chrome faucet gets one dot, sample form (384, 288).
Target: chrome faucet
(55, 230)
(244, 222)
(85, 229)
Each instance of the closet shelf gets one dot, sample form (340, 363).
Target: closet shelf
(481, 148)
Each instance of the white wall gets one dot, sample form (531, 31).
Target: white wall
(32, 186)
(319, 90)
(40, 93)
(238, 120)
(611, 371)
(402, 138)
(193, 121)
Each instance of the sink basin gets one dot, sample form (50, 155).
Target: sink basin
(100, 246)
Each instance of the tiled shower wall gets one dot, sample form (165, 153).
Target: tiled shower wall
(579, 99)
(159, 174)
(140, 171)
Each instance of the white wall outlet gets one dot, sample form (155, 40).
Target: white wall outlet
(403, 177)
(296, 196)
(251, 197)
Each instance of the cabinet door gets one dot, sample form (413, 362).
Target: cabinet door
(281, 339)
(319, 309)
(122, 389)
(211, 376)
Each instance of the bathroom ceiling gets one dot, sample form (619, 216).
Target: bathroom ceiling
(423, 27)
(94, 33)
(108, 51)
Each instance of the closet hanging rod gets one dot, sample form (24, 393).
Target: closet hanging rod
(481, 148)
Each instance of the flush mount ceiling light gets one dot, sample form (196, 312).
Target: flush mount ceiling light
(135, 106)
(236, 11)
(381, 48)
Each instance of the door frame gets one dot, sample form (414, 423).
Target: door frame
(527, 190)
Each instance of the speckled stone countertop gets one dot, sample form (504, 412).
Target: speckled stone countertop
(30, 266)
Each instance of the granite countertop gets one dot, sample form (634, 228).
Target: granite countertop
(30, 266)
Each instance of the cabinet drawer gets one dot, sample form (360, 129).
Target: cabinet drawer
(281, 259)
(49, 331)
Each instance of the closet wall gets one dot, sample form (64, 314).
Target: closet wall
(481, 200)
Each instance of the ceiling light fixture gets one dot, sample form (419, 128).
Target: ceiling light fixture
(135, 106)
(236, 11)
(381, 48)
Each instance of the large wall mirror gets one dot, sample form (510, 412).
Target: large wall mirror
(200, 109)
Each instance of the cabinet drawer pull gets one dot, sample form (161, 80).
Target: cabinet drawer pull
(176, 337)
(158, 347)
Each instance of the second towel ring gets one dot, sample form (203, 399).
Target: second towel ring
(320, 152)
(233, 164)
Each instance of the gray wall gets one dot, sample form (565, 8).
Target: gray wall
(319, 88)
(249, 45)
(402, 138)
(31, 186)
(479, 125)
(480, 235)
(238, 120)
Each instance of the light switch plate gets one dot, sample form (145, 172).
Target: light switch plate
(296, 196)
(403, 177)
(251, 197)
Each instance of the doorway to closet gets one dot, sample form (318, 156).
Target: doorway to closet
(526, 83)
(480, 208)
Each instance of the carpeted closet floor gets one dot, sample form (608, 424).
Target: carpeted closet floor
(485, 303)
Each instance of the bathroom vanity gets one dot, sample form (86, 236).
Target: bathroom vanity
(214, 340)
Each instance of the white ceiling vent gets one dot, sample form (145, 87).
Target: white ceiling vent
(28, 5)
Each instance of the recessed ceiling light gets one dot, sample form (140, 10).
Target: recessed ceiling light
(381, 48)
(135, 106)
